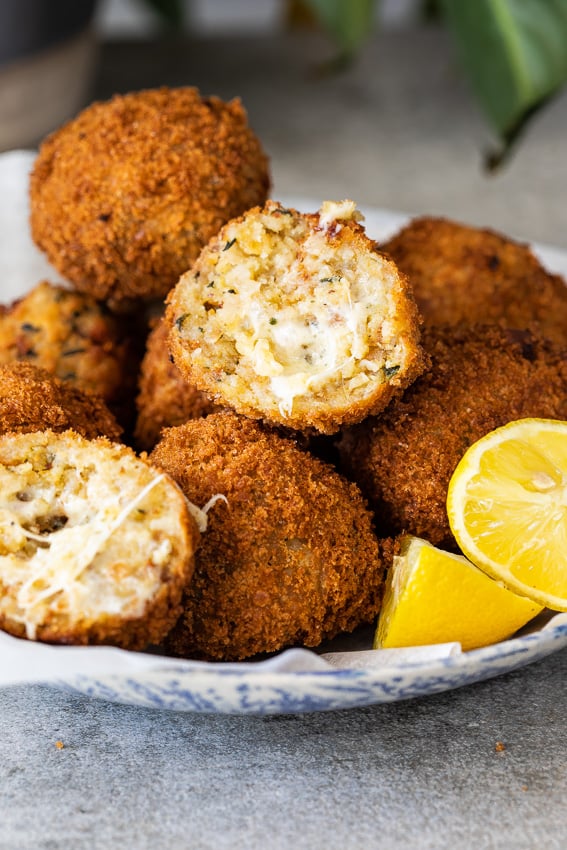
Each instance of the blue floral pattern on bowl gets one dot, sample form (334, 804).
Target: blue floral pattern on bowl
(224, 689)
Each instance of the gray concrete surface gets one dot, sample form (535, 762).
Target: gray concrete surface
(400, 131)
(419, 774)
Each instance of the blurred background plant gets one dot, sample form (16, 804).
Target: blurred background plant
(514, 52)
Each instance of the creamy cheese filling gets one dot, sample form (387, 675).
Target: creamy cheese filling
(295, 308)
(80, 542)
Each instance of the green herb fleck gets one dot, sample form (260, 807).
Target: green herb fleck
(333, 279)
(211, 284)
(273, 321)
(231, 291)
(390, 371)
(229, 244)
(27, 326)
(179, 321)
(71, 351)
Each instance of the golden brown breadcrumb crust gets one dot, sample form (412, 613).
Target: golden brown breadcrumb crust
(31, 399)
(227, 378)
(165, 398)
(290, 558)
(74, 337)
(467, 274)
(480, 378)
(124, 197)
(130, 628)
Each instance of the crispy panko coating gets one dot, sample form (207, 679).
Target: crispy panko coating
(296, 319)
(289, 558)
(32, 399)
(96, 546)
(165, 398)
(75, 338)
(124, 197)
(468, 274)
(481, 377)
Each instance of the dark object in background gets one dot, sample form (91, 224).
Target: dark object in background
(47, 58)
(28, 26)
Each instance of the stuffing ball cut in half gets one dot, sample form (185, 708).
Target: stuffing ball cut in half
(296, 319)
(96, 546)
(289, 556)
(124, 196)
(31, 399)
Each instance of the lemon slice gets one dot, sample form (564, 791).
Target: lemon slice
(433, 596)
(507, 507)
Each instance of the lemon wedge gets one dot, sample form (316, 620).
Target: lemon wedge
(434, 596)
(507, 507)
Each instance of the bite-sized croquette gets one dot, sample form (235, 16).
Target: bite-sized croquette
(124, 197)
(468, 274)
(165, 398)
(32, 399)
(289, 556)
(296, 319)
(75, 338)
(480, 378)
(96, 546)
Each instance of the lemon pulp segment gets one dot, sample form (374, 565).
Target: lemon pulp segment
(434, 596)
(507, 506)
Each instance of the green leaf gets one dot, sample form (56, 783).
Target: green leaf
(170, 11)
(515, 53)
(348, 22)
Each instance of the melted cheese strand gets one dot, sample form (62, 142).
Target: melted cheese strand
(97, 541)
(200, 514)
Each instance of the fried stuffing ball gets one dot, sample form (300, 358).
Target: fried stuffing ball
(480, 378)
(289, 556)
(296, 319)
(165, 398)
(460, 273)
(31, 399)
(75, 338)
(124, 197)
(96, 546)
